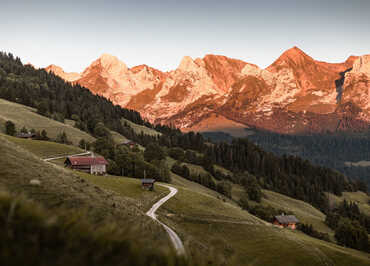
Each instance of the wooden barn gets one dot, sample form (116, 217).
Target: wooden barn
(284, 221)
(92, 165)
(148, 183)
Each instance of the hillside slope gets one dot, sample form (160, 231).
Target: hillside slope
(203, 220)
(208, 225)
(61, 188)
(22, 115)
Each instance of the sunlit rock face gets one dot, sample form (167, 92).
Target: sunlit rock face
(71, 77)
(356, 87)
(294, 94)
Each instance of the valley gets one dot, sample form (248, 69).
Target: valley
(205, 223)
(184, 133)
(228, 194)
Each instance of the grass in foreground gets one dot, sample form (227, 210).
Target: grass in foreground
(64, 189)
(31, 235)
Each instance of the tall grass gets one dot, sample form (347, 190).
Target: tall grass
(31, 235)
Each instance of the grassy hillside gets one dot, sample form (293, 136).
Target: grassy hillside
(139, 128)
(32, 235)
(44, 149)
(209, 225)
(129, 188)
(64, 189)
(360, 198)
(205, 221)
(22, 115)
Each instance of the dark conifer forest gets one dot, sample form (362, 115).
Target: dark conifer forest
(340, 151)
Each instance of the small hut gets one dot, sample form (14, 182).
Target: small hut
(284, 221)
(92, 165)
(148, 183)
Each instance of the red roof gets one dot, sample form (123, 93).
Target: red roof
(87, 160)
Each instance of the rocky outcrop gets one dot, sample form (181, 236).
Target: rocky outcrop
(356, 87)
(71, 77)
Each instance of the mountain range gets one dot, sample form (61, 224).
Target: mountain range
(295, 94)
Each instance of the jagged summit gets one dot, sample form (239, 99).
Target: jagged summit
(187, 64)
(292, 56)
(111, 64)
(57, 70)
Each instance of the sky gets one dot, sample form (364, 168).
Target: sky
(72, 34)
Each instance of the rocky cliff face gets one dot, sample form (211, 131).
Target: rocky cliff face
(356, 87)
(294, 94)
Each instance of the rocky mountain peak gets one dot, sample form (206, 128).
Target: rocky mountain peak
(293, 57)
(188, 64)
(57, 70)
(110, 64)
(295, 90)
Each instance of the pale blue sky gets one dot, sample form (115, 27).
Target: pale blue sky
(72, 34)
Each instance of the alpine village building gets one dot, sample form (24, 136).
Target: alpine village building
(284, 221)
(148, 183)
(92, 165)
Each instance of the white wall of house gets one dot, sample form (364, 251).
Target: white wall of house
(98, 169)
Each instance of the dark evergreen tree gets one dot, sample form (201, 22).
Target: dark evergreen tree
(10, 128)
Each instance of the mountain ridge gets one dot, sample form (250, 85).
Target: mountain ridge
(295, 94)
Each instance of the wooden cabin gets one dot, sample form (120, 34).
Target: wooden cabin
(148, 183)
(92, 165)
(28, 135)
(284, 221)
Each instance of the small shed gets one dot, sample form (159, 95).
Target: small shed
(284, 221)
(92, 165)
(28, 135)
(148, 183)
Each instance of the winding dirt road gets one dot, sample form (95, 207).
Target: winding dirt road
(173, 236)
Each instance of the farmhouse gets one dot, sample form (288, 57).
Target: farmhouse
(286, 221)
(91, 165)
(148, 183)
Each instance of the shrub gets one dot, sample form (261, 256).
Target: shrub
(10, 128)
(177, 154)
(154, 152)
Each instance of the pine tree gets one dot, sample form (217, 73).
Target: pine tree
(10, 128)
